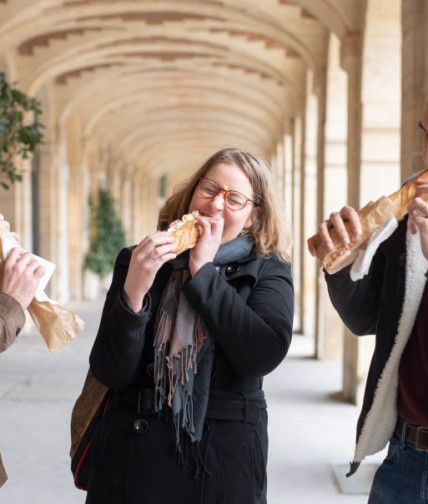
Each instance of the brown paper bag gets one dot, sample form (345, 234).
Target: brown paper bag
(57, 325)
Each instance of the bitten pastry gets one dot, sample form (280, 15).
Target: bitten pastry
(186, 232)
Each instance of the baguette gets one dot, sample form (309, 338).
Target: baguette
(185, 231)
(372, 217)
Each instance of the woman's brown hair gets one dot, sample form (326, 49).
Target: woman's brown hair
(267, 230)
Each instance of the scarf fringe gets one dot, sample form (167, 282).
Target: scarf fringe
(180, 336)
(171, 370)
(184, 355)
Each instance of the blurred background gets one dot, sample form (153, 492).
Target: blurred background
(131, 97)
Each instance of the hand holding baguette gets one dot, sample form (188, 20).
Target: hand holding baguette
(340, 238)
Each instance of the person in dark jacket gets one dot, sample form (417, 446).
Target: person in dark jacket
(391, 301)
(184, 342)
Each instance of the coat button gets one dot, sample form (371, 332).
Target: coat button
(141, 426)
(150, 370)
(232, 269)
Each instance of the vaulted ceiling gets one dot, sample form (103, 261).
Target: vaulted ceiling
(167, 82)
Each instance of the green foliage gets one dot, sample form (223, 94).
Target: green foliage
(20, 130)
(107, 237)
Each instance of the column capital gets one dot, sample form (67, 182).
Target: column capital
(319, 84)
(350, 51)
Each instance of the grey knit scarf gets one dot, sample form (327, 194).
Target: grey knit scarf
(183, 348)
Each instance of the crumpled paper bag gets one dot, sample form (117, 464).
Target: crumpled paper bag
(57, 325)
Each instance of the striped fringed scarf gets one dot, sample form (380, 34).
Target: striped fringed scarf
(184, 350)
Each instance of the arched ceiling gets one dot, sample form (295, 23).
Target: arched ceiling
(165, 83)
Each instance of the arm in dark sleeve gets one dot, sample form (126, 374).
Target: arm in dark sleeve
(119, 343)
(357, 303)
(12, 320)
(255, 334)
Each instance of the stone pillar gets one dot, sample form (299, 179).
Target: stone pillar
(381, 97)
(308, 201)
(351, 61)
(125, 204)
(288, 171)
(414, 82)
(373, 126)
(53, 199)
(15, 203)
(331, 197)
(323, 333)
(77, 225)
(138, 197)
(297, 216)
(78, 210)
(279, 175)
(147, 204)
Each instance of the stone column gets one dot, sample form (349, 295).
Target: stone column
(296, 219)
(125, 204)
(299, 215)
(146, 205)
(322, 333)
(78, 210)
(7, 198)
(331, 195)
(414, 82)
(15, 203)
(53, 199)
(351, 62)
(279, 179)
(313, 119)
(288, 171)
(77, 225)
(373, 140)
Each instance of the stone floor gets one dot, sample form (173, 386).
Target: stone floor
(311, 431)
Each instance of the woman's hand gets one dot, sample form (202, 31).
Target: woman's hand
(418, 216)
(146, 260)
(337, 221)
(208, 244)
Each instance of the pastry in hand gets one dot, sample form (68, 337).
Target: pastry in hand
(186, 232)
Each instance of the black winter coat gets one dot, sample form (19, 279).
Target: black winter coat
(247, 306)
(385, 303)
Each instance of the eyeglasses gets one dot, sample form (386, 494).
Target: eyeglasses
(422, 127)
(234, 200)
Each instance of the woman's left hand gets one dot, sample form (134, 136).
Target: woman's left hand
(418, 216)
(208, 244)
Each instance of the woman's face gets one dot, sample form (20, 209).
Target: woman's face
(228, 177)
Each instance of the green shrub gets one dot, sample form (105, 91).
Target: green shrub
(20, 130)
(107, 237)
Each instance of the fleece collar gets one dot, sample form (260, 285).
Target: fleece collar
(380, 421)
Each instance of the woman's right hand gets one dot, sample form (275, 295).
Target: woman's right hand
(146, 260)
(208, 244)
(337, 222)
